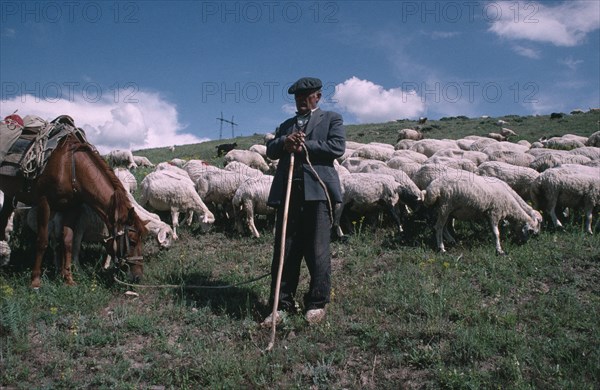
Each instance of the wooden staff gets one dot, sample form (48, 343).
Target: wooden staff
(286, 207)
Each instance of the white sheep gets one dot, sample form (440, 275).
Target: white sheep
(367, 192)
(429, 146)
(354, 145)
(519, 178)
(429, 172)
(374, 152)
(570, 187)
(355, 164)
(171, 167)
(250, 200)
(405, 164)
(551, 160)
(236, 166)
(593, 140)
(512, 157)
(168, 191)
(178, 162)
(404, 144)
(504, 146)
(476, 157)
(260, 149)
(217, 188)
(411, 154)
(591, 152)
(497, 136)
(196, 168)
(121, 158)
(541, 151)
(268, 137)
(127, 179)
(5, 252)
(156, 227)
(464, 143)
(347, 153)
(142, 161)
(250, 158)
(480, 144)
(340, 169)
(458, 163)
(506, 132)
(479, 198)
(565, 142)
(409, 134)
(408, 191)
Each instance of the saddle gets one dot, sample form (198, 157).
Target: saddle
(26, 145)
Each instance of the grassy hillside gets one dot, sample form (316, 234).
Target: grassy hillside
(403, 316)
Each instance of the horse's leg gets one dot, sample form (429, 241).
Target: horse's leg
(43, 215)
(69, 220)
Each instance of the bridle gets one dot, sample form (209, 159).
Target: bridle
(122, 245)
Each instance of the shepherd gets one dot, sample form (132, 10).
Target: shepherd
(306, 146)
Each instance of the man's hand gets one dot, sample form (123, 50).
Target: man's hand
(293, 142)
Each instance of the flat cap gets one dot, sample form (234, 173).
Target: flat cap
(305, 84)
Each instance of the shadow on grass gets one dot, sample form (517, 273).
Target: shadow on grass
(234, 299)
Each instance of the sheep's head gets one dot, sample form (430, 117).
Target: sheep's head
(531, 227)
(412, 199)
(165, 236)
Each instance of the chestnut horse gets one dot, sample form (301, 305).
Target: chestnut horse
(75, 174)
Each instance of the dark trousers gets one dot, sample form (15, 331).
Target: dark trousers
(308, 236)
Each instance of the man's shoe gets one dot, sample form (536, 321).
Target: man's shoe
(268, 322)
(314, 316)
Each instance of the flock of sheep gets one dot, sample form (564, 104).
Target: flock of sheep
(472, 178)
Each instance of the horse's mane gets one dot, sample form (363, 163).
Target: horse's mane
(120, 206)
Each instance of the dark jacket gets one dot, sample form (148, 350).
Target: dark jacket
(325, 141)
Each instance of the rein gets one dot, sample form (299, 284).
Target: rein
(191, 287)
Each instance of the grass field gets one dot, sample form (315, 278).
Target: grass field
(402, 314)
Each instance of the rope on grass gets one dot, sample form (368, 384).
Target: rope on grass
(190, 287)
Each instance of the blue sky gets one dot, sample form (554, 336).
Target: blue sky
(141, 74)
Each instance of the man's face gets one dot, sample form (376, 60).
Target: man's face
(305, 102)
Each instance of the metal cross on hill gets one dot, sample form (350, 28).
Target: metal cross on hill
(221, 128)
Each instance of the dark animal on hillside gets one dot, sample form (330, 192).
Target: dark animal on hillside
(556, 115)
(224, 148)
(76, 174)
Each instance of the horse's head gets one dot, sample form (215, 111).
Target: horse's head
(125, 245)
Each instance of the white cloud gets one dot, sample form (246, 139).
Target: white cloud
(443, 34)
(527, 52)
(148, 121)
(570, 62)
(371, 103)
(566, 24)
(9, 33)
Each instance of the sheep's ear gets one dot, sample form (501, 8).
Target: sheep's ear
(163, 238)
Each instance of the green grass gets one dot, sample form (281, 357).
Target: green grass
(402, 314)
